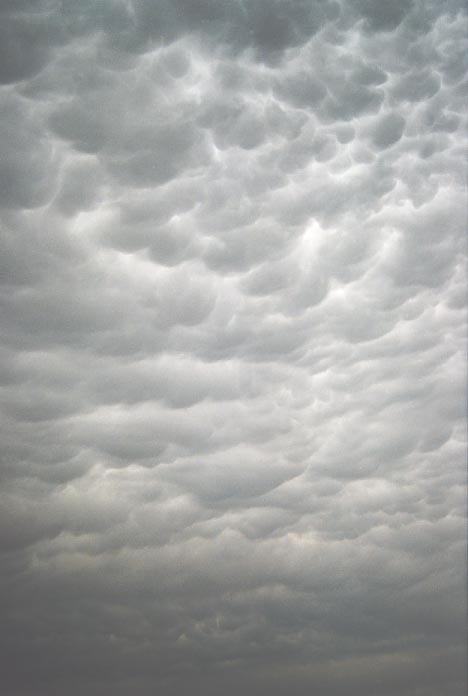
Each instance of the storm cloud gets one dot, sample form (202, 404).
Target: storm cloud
(233, 339)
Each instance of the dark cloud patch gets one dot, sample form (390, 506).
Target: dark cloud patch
(28, 34)
(388, 130)
(383, 16)
(417, 86)
(28, 169)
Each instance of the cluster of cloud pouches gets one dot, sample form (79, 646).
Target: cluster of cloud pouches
(233, 345)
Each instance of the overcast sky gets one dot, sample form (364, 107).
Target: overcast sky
(232, 347)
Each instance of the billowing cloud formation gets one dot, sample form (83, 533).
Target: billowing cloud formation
(233, 347)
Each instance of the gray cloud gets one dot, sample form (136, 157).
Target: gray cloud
(232, 364)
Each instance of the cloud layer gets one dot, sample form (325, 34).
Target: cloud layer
(233, 347)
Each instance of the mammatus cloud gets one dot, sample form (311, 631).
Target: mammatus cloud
(233, 347)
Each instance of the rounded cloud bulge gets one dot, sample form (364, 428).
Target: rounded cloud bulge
(233, 347)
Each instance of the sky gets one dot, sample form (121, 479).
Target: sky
(233, 347)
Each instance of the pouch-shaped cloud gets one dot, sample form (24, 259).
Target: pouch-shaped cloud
(232, 353)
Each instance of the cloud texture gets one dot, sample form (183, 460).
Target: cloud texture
(233, 346)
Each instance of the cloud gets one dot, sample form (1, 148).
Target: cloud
(232, 358)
